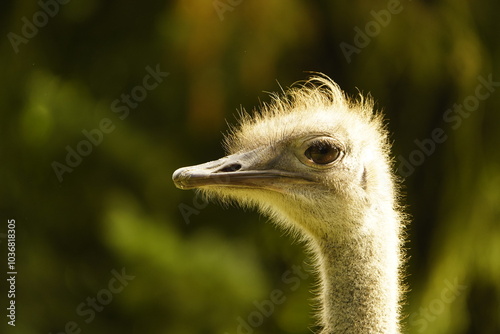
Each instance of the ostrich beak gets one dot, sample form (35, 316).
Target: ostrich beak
(244, 170)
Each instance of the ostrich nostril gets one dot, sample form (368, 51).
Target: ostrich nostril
(230, 168)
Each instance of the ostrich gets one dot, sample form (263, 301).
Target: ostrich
(317, 163)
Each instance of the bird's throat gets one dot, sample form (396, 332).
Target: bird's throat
(360, 284)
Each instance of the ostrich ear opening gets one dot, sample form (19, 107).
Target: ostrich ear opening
(364, 179)
(244, 170)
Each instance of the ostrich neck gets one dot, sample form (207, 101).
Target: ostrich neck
(360, 289)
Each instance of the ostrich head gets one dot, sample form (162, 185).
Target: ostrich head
(309, 157)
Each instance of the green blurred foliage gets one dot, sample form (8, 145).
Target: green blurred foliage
(208, 271)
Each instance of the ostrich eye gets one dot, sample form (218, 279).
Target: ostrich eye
(322, 152)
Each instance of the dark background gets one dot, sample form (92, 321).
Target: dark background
(197, 267)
